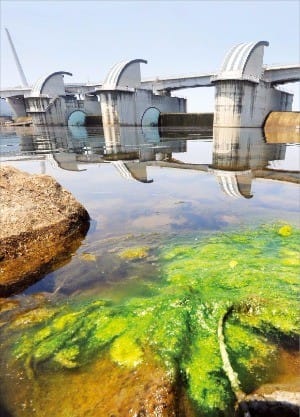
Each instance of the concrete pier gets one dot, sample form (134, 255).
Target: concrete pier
(242, 97)
(125, 103)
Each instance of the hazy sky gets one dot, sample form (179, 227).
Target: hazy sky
(176, 37)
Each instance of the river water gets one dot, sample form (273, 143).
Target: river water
(146, 189)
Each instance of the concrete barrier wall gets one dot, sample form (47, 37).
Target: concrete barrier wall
(91, 106)
(5, 109)
(17, 104)
(282, 127)
(186, 120)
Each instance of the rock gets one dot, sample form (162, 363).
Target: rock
(41, 225)
(262, 407)
(278, 403)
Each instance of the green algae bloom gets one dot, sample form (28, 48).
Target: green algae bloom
(66, 357)
(125, 351)
(285, 230)
(250, 276)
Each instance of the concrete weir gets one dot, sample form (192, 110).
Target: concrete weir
(246, 91)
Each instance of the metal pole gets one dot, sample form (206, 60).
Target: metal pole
(20, 70)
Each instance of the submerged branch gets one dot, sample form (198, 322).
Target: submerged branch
(231, 374)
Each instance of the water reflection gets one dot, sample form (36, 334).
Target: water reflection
(141, 144)
(243, 149)
(238, 154)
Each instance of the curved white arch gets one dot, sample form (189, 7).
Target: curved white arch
(243, 62)
(117, 74)
(41, 83)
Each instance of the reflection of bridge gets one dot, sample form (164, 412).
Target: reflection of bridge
(245, 93)
(238, 155)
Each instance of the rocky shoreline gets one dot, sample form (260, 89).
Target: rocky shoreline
(41, 225)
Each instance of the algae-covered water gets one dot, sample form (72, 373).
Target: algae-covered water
(193, 245)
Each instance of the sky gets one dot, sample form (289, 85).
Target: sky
(87, 38)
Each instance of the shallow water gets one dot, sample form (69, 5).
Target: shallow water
(167, 189)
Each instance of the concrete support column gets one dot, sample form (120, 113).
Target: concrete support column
(120, 107)
(109, 109)
(46, 111)
(112, 139)
(241, 103)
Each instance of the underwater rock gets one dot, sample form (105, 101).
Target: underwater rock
(100, 390)
(135, 253)
(8, 305)
(41, 224)
(88, 257)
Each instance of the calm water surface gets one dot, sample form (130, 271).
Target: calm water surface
(145, 188)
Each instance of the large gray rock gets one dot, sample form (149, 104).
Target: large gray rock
(41, 225)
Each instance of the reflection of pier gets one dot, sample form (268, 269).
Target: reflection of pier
(238, 157)
(235, 183)
(60, 146)
(132, 171)
(237, 153)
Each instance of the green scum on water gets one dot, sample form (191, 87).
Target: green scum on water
(251, 273)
